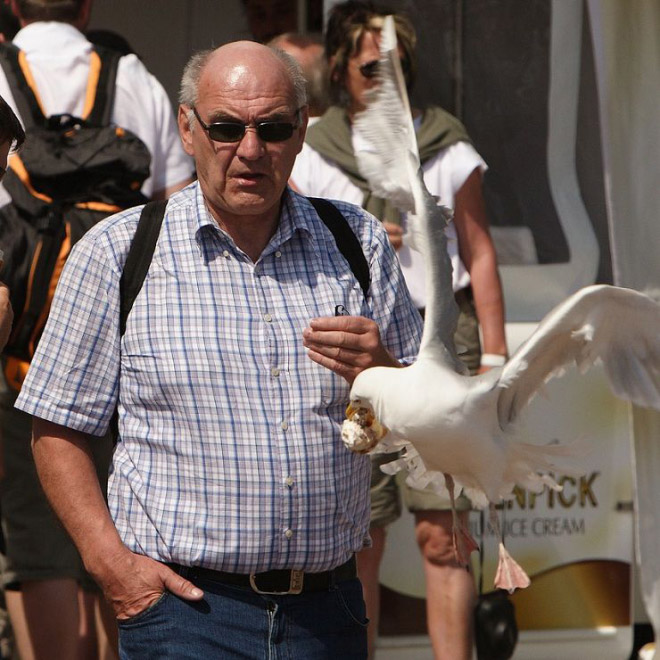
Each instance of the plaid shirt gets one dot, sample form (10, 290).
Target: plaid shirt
(230, 455)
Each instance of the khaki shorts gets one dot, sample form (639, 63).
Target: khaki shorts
(37, 546)
(385, 488)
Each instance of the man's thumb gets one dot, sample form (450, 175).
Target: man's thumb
(181, 587)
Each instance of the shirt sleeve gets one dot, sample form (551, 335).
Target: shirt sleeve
(73, 377)
(463, 160)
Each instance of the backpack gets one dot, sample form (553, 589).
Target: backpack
(71, 173)
(146, 236)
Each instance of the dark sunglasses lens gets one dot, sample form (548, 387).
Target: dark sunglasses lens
(226, 131)
(274, 131)
(370, 69)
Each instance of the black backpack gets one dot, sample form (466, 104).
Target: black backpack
(71, 173)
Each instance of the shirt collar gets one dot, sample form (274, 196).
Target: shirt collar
(42, 34)
(297, 216)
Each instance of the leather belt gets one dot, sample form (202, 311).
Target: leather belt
(275, 582)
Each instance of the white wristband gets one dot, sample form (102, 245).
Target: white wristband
(492, 360)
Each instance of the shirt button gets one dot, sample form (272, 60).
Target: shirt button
(268, 318)
(289, 481)
(284, 425)
(278, 254)
(274, 372)
(288, 533)
(225, 254)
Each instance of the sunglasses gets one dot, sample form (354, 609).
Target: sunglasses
(233, 131)
(369, 69)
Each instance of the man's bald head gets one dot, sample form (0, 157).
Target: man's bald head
(235, 59)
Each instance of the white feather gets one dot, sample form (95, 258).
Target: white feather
(390, 159)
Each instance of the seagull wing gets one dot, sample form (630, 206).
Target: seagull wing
(620, 327)
(388, 157)
(389, 161)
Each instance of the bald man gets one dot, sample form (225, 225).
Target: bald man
(235, 512)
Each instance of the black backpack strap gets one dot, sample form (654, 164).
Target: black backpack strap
(139, 258)
(105, 88)
(26, 100)
(346, 240)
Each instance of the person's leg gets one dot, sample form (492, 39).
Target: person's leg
(106, 630)
(88, 643)
(450, 591)
(41, 561)
(368, 561)
(385, 509)
(46, 620)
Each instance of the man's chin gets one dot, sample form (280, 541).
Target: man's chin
(253, 202)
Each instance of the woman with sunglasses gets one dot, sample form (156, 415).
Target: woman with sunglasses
(326, 167)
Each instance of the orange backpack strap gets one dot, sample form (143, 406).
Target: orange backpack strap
(99, 97)
(21, 82)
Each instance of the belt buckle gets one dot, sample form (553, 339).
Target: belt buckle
(295, 585)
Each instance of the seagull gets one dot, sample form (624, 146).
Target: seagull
(456, 432)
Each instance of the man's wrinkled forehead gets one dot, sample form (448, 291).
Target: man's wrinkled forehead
(246, 73)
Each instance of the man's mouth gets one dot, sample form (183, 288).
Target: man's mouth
(248, 178)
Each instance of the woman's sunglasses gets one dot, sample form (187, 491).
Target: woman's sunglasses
(369, 69)
(233, 131)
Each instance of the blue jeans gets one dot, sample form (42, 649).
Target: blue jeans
(235, 622)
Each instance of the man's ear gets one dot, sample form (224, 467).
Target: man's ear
(185, 129)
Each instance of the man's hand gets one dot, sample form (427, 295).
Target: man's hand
(394, 233)
(132, 583)
(346, 345)
(6, 315)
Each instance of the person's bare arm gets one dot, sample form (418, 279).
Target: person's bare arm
(395, 234)
(478, 254)
(346, 345)
(6, 315)
(130, 582)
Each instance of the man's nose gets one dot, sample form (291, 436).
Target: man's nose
(251, 146)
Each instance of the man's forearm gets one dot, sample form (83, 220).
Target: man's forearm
(68, 477)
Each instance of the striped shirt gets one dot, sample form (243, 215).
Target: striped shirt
(230, 455)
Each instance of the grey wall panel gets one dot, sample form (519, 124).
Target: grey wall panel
(166, 32)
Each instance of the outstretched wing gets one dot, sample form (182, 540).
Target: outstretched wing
(389, 160)
(620, 327)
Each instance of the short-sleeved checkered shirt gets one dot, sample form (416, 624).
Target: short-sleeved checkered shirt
(229, 454)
